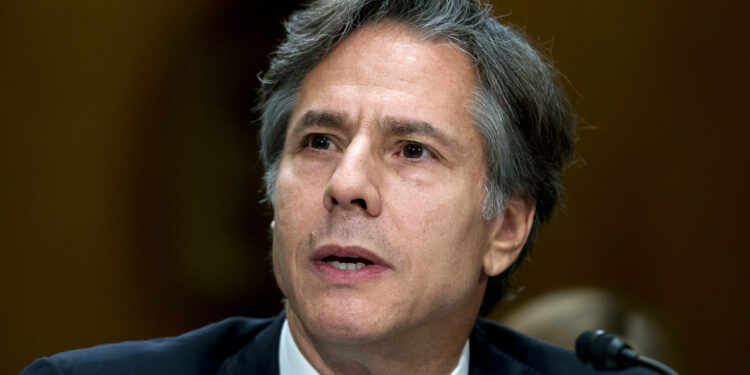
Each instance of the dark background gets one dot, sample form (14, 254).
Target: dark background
(130, 182)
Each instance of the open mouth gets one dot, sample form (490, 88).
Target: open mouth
(347, 263)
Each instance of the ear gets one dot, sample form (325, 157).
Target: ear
(508, 233)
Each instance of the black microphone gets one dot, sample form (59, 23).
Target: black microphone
(605, 351)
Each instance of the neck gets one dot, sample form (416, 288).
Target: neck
(424, 351)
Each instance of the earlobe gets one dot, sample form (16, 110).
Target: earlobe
(508, 234)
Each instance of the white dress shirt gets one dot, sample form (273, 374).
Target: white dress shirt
(292, 362)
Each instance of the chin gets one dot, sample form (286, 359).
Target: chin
(346, 321)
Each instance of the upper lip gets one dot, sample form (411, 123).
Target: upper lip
(348, 251)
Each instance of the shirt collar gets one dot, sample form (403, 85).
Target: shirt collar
(292, 362)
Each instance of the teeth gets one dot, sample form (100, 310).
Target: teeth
(346, 266)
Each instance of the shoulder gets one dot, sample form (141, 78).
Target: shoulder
(497, 349)
(196, 352)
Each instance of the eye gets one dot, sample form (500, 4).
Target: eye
(319, 141)
(414, 151)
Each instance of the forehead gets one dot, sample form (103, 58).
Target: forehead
(388, 70)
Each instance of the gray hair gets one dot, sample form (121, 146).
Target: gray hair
(523, 115)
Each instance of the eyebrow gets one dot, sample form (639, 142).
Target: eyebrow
(401, 127)
(396, 126)
(325, 119)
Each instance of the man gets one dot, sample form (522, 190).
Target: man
(412, 149)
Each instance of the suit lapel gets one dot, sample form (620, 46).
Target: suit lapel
(485, 358)
(260, 355)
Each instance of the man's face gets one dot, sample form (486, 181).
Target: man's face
(378, 213)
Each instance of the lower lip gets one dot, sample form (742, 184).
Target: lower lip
(333, 274)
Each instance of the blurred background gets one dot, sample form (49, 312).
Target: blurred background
(130, 188)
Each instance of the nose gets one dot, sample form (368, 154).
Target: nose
(354, 183)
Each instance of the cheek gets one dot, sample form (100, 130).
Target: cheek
(445, 219)
(299, 193)
(298, 204)
(280, 266)
(441, 234)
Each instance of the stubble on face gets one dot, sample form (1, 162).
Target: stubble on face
(350, 230)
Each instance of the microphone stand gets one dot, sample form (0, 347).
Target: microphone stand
(605, 351)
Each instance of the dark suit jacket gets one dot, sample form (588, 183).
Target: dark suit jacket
(250, 346)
